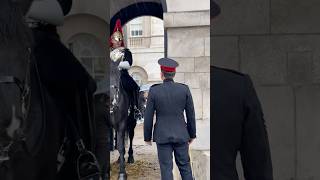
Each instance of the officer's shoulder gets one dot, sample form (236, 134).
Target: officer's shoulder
(182, 85)
(220, 70)
(154, 86)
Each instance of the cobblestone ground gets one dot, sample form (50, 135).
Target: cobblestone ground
(145, 167)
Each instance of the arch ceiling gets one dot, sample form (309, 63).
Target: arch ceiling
(136, 9)
(117, 5)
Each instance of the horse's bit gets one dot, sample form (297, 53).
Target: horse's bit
(24, 88)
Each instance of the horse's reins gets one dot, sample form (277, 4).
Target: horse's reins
(24, 87)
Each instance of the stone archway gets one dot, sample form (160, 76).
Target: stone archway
(73, 24)
(129, 9)
(136, 10)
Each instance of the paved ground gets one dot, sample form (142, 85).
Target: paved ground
(146, 166)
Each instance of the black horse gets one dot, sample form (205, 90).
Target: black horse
(122, 117)
(119, 112)
(32, 123)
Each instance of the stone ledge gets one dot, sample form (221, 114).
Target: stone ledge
(186, 19)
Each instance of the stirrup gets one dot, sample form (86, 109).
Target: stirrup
(87, 165)
(4, 153)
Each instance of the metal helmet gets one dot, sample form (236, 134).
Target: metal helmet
(47, 11)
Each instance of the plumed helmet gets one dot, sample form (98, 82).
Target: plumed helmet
(117, 34)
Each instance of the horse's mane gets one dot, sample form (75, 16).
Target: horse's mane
(114, 71)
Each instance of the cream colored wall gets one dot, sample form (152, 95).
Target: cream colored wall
(83, 23)
(147, 57)
(187, 5)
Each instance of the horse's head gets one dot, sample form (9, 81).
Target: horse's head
(15, 44)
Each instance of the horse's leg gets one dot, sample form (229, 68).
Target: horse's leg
(115, 140)
(121, 149)
(131, 135)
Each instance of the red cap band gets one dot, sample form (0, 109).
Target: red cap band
(168, 69)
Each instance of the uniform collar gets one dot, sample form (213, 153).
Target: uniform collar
(168, 80)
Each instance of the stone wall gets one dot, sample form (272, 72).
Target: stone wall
(277, 43)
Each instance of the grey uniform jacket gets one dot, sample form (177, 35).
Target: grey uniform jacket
(169, 100)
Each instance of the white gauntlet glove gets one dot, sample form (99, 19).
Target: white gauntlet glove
(124, 65)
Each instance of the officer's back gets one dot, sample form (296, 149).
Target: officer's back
(172, 133)
(170, 102)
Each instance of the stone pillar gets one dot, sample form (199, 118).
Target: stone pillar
(188, 32)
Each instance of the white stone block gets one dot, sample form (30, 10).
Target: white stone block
(200, 164)
(206, 104)
(185, 64)
(197, 101)
(202, 142)
(187, 5)
(187, 19)
(205, 81)
(200, 161)
(192, 80)
(207, 43)
(179, 77)
(187, 42)
(202, 64)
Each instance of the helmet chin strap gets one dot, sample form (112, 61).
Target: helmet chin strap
(45, 12)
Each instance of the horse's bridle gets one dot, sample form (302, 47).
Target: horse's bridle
(25, 91)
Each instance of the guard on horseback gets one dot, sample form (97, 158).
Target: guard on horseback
(119, 53)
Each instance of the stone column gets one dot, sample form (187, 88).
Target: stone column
(188, 32)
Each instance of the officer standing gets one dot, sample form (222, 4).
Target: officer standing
(171, 132)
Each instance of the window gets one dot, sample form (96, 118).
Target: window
(136, 28)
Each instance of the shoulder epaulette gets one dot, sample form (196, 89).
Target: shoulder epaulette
(229, 70)
(155, 85)
(183, 84)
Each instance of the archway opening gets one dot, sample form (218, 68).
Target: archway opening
(144, 36)
(139, 9)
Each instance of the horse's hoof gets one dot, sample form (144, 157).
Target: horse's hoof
(122, 176)
(130, 159)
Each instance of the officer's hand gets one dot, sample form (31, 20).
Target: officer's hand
(148, 143)
(191, 140)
